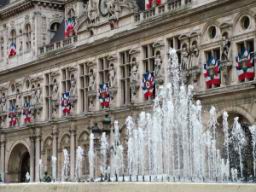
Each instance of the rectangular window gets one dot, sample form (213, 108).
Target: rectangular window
(12, 104)
(148, 58)
(245, 45)
(212, 54)
(48, 94)
(126, 66)
(245, 60)
(104, 70)
(66, 84)
(175, 43)
(84, 82)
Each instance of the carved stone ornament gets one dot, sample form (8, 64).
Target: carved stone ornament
(112, 76)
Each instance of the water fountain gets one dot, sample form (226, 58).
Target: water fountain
(169, 144)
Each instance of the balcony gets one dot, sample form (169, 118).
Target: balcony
(171, 6)
(57, 45)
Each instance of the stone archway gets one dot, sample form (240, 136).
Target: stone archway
(18, 163)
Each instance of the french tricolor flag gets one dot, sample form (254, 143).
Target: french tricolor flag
(151, 3)
(12, 50)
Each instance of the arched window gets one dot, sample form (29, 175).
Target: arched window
(28, 33)
(13, 36)
(54, 28)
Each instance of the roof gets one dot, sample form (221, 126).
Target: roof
(59, 35)
(141, 4)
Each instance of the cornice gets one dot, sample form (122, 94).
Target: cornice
(20, 6)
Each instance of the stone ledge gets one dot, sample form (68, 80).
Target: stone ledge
(128, 187)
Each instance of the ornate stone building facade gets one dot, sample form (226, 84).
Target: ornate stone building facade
(71, 67)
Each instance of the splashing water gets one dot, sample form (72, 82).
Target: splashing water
(171, 142)
(54, 168)
(253, 132)
(79, 159)
(103, 151)
(91, 157)
(65, 168)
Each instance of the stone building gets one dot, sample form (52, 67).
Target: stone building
(72, 67)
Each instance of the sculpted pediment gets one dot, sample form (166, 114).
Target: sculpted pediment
(100, 12)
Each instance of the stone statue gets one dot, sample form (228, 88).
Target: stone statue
(225, 48)
(93, 13)
(112, 76)
(3, 103)
(73, 86)
(184, 58)
(27, 177)
(18, 100)
(91, 81)
(33, 97)
(134, 78)
(91, 104)
(114, 8)
(194, 54)
(38, 96)
(55, 91)
(54, 99)
(158, 65)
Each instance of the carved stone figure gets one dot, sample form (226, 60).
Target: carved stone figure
(91, 81)
(112, 76)
(18, 100)
(91, 104)
(93, 13)
(114, 8)
(225, 48)
(3, 103)
(194, 54)
(38, 96)
(73, 86)
(184, 58)
(134, 78)
(55, 97)
(55, 91)
(33, 97)
(158, 64)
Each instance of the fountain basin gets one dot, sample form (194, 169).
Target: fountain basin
(128, 187)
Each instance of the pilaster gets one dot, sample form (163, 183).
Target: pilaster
(72, 150)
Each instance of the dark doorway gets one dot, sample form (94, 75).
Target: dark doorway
(24, 166)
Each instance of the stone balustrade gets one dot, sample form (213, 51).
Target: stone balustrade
(57, 45)
(174, 5)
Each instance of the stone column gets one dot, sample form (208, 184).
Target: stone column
(55, 146)
(72, 150)
(2, 156)
(32, 158)
(37, 155)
